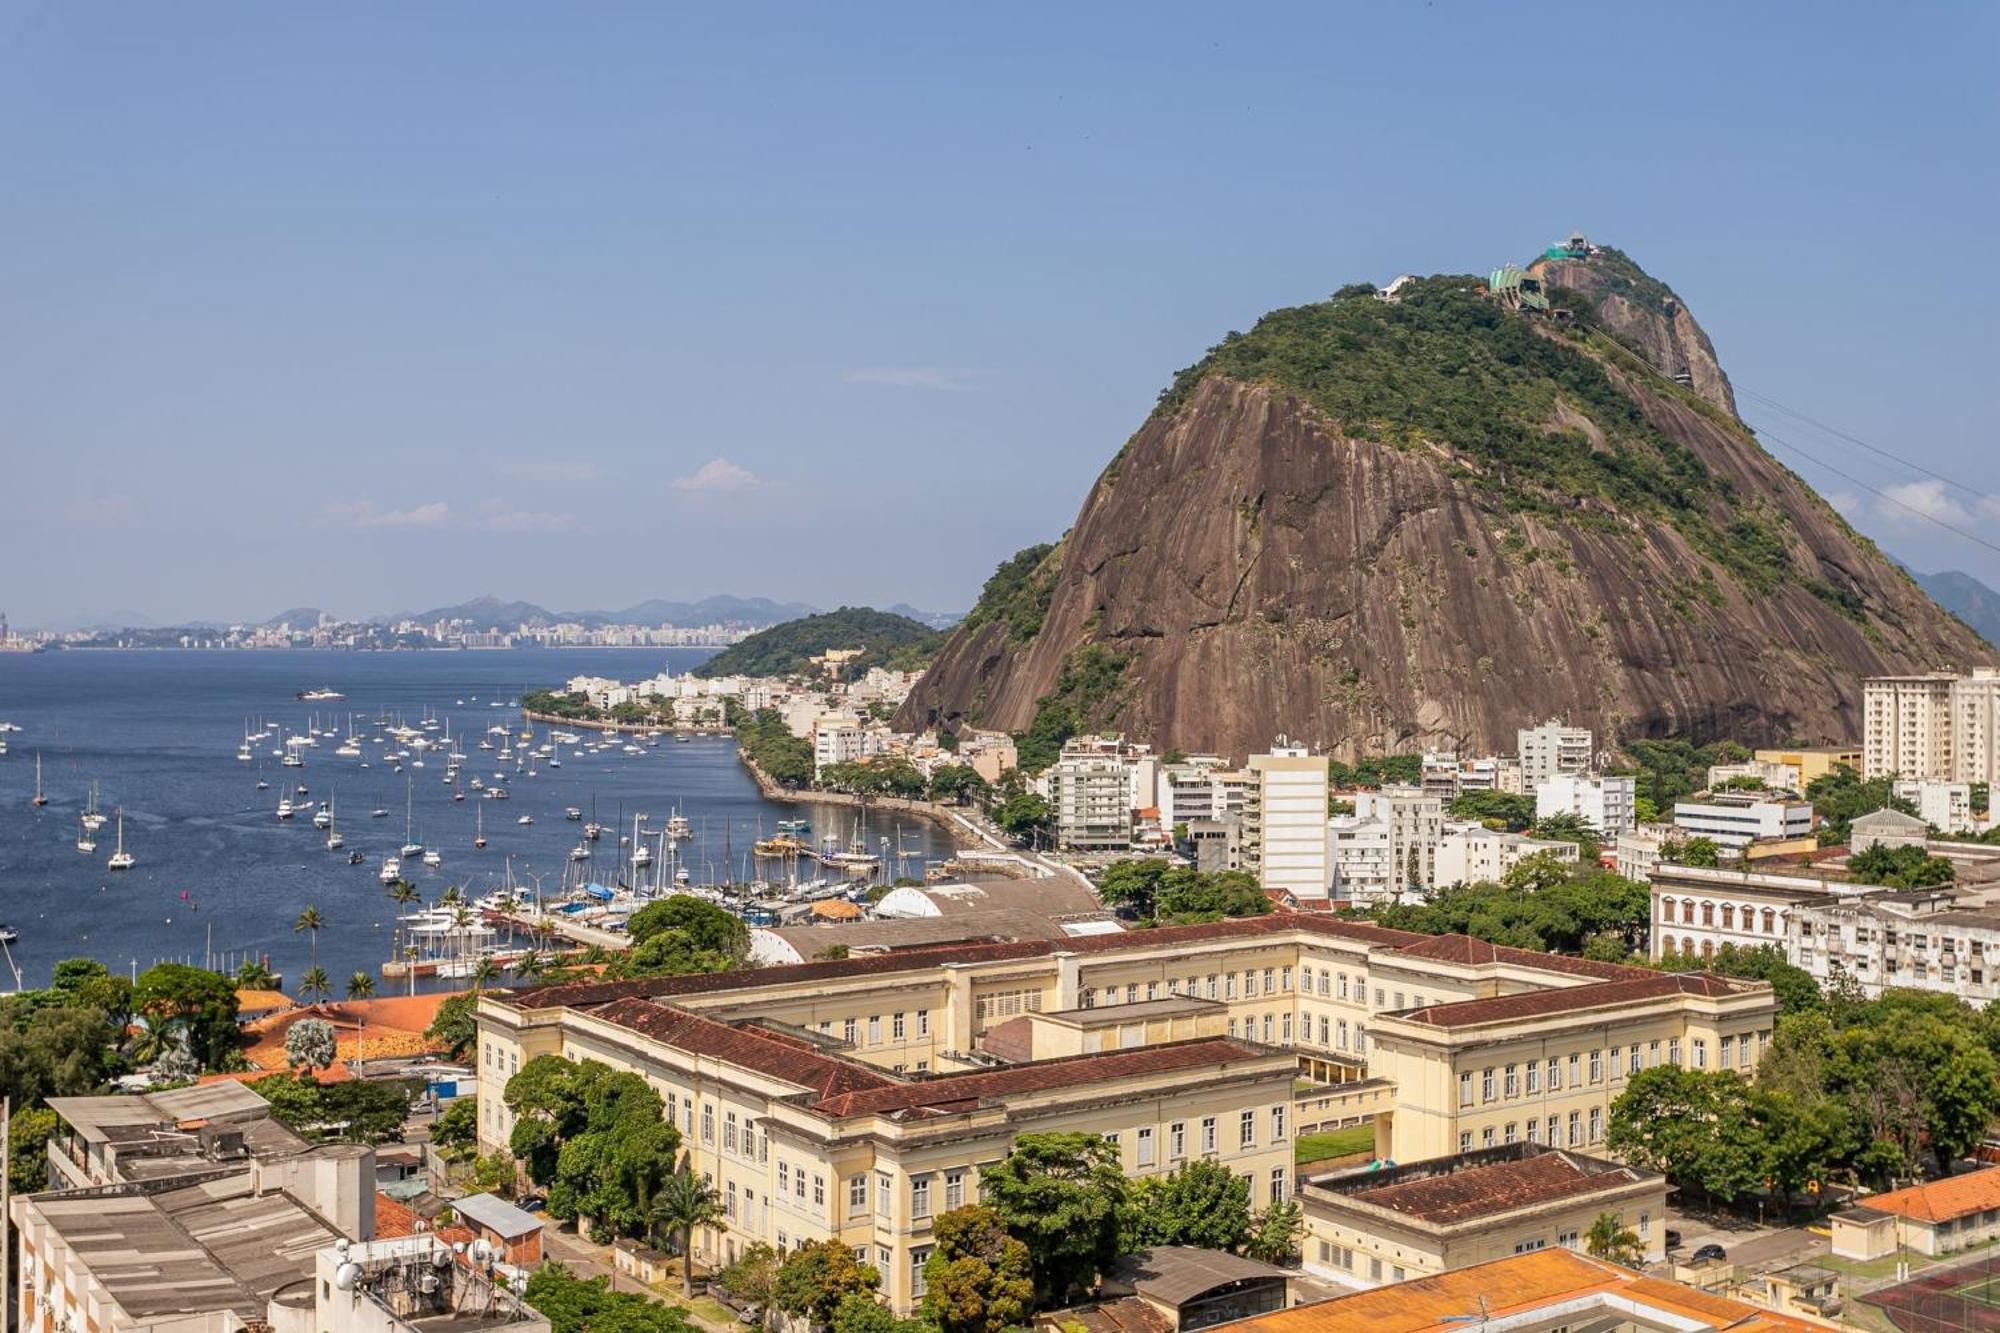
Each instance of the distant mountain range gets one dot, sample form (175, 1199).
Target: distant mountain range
(758, 612)
(1965, 597)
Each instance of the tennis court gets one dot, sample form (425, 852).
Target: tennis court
(1966, 1296)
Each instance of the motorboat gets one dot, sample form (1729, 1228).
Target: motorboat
(285, 810)
(355, 858)
(525, 819)
(391, 871)
(572, 814)
(433, 859)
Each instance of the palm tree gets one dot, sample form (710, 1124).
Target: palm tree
(1611, 1240)
(403, 892)
(360, 986)
(253, 975)
(315, 983)
(311, 920)
(685, 1201)
(484, 971)
(529, 965)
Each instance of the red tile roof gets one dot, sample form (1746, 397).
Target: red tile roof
(394, 1218)
(766, 1052)
(1465, 949)
(1941, 1200)
(1482, 1191)
(959, 1092)
(1537, 1004)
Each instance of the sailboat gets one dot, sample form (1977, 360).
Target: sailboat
(41, 798)
(411, 847)
(93, 818)
(333, 838)
(121, 859)
(478, 827)
(84, 842)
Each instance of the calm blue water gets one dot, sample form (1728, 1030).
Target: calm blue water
(159, 731)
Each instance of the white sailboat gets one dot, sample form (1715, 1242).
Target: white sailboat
(411, 847)
(478, 827)
(333, 838)
(121, 859)
(93, 818)
(84, 842)
(41, 797)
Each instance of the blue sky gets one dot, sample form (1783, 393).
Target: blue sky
(381, 306)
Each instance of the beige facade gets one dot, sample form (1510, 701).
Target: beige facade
(796, 1089)
(1368, 1227)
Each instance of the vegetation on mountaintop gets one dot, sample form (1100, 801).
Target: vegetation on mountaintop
(895, 642)
(1017, 595)
(1446, 366)
(1086, 694)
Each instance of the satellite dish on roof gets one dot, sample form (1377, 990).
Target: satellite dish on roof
(481, 1251)
(346, 1276)
(340, 1247)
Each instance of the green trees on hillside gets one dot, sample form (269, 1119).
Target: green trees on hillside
(884, 638)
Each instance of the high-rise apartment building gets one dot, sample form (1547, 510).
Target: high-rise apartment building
(1608, 805)
(1285, 822)
(1416, 822)
(1553, 750)
(1933, 727)
(1090, 794)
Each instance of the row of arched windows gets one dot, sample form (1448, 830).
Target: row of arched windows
(1686, 909)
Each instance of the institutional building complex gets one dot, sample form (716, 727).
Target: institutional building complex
(857, 1099)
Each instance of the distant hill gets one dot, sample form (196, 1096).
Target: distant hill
(297, 616)
(486, 611)
(935, 619)
(887, 640)
(719, 610)
(1965, 597)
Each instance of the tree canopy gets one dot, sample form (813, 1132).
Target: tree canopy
(1063, 1196)
(594, 1138)
(787, 649)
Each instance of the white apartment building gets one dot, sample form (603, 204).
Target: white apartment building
(1945, 806)
(1773, 775)
(1909, 940)
(1090, 792)
(1636, 853)
(1416, 822)
(1361, 859)
(1907, 725)
(1474, 854)
(1697, 910)
(1190, 790)
(1285, 824)
(1739, 818)
(1553, 750)
(1608, 805)
(1975, 727)
(1492, 773)
(839, 738)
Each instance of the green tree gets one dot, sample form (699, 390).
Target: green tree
(360, 986)
(28, 1135)
(309, 1044)
(315, 985)
(1189, 897)
(1696, 1128)
(1203, 1204)
(255, 975)
(1062, 1195)
(1274, 1237)
(1795, 988)
(312, 922)
(753, 1278)
(684, 1202)
(1023, 815)
(456, 1131)
(193, 1002)
(1900, 868)
(1611, 1240)
(706, 926)
(864, 1314)
(58, 1051)
(1133, 884)
(1496, 809)
(814, 1279)
(454, 1024)
(1842, 796)
(978, 1278)
(594, 1138)
(588, 1305)
(957, 783)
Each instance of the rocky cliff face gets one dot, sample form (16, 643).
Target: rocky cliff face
(1376, 527)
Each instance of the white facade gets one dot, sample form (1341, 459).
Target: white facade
(839, 738)
(1975, 727)
(1697, 910)
(1737, 819)
(1416, 822)
(1906, 726)
(1287, 820)
(1361, 859)
(1553, 750)
(1946, 806)
(1090, 791)
(1475, 855)
(1608, 805)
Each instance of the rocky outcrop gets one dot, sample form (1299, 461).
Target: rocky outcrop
(1644, 313)
(1250, 566)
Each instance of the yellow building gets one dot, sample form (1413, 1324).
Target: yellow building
(856, 1099)
(1812, 761)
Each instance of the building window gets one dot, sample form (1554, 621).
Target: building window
(1673, 1050)
(896, 1027)
(1575, 1070)
(1340, 1034)
(1247, 1130)
(918, 1258)
(784, 1177)
(857, 1196)
(1465, 1140)
(954, 1190)
(707, 1123)
(729, 1131)
(1285, 978)
(874, 1029)
(1267, 1029)
(1511, 1082)
(1555, 1074)
(1566, 1239)
(850, 1030)
(1277, 1184)
(1326, 1030)
(1208, 1133)
(920, 1197)
(1596, 1124)
(1343, 985)
(1144, 1153)
(1230, 989)
(729, 1200)
(1597, 1066)
(1211, 985)
(1511, 1135)
(1381, 1001)
(1700, 1053)
(1486, 1085)
(1725, 1050)
(1268, 987)
(1486, 1137)
(1534, 1131)
(1632, 1063)
(1132, 994)
(1534, 1073)
(1177, 1141)
(1645, 1225)
(884, 1196)
(1285, 1028)
(1277, 1124)
(819, 1191)
(1465, 1088)
(1575, 1129)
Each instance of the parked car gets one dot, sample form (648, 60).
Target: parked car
(1715, 1252)
(531, 1203)
(1673, 1239)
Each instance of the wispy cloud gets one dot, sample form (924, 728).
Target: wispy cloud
(551, 471)
(938, 379)
(499, 518)
(1915, 500)
(366, 514)
(718, 475)
(104, 511)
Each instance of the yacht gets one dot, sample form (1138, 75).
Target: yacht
(572, 814)
(93, 818)
(678, 828)
(391, 871)
(84, 842)
(285, 810)
(243, 752)
(121, 859)
(681, 876)
(411, 847)
(323, 692)
(333, 838)
(525, 819)
(263, 785)
(322, 819)
(9, 935)
(580, 852)
(355, 858)
(433, 858)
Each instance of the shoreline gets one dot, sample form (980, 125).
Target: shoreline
(607, 725)
(937, 814)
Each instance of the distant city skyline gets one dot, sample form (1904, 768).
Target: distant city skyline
(380, 307)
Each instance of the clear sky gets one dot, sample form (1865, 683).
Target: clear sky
(378, 307)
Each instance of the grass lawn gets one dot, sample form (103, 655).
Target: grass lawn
(1336, 1143)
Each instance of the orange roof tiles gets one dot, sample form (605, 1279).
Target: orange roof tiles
(957, 1092)
(759, 1049)
(1540, 1003)
(1482, 1191)
(1519, 1285)
(1941, 1200)
(394, 1218)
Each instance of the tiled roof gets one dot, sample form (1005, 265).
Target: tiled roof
(1465, 949)
(1522, 1285)
(758, 1049)
(1128, 1314)
(958, 1092)
(1541, 1003)
(1941, 1200)
(1482, 1191)
(395, 1218)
